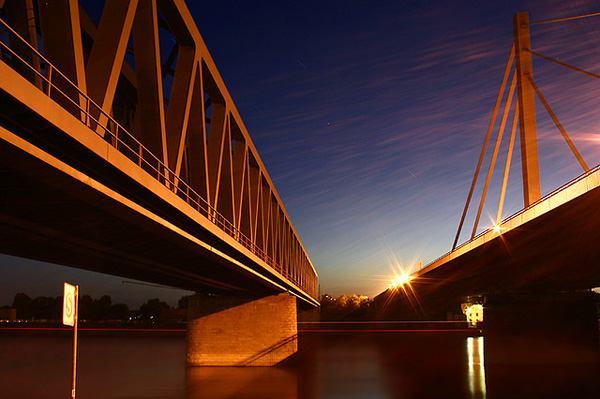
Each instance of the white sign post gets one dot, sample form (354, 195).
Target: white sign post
(70, 310)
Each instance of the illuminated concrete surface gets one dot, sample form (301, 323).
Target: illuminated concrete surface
(246, 332)
(550, 245)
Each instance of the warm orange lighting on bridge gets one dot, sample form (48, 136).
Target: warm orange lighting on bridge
(497, 228)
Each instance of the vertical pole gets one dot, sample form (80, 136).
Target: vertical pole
(76, 301)
(527, 125)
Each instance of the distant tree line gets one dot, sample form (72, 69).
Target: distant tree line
(90, 309)
(344, 307)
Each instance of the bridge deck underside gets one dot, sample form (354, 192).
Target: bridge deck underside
(559, 250)
(125, 165)
(50, 214)
(106, 237)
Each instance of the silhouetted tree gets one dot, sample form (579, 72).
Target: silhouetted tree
(119, 311)
(153, 308)
(344, 307)
(102, 308)
(41, 307)
(182, 303)
(48, 308)
(24, 305)
(85, 304)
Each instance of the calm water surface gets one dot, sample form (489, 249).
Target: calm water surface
(328, 365)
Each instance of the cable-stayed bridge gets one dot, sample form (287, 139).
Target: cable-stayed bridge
(551, 242)
(536, 267)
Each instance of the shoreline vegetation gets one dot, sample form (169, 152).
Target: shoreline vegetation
(98, 317)
(342, 313)
(102, 310)
(25, 309)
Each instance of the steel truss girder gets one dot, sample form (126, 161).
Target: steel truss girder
(199, 137)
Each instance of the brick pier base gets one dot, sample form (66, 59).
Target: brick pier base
(234, 331)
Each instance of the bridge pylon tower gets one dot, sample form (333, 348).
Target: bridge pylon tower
(527, 123)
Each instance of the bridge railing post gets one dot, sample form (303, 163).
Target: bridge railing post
(49, 78)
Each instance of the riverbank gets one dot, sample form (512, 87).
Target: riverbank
(92, 328)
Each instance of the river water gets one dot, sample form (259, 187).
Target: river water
(328, 365)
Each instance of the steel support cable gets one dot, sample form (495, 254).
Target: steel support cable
(511, 92)
(508, 161)
(593, 75)
(559, 126)
(485, 143)
(564, 19)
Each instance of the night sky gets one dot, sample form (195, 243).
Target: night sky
(370, 116)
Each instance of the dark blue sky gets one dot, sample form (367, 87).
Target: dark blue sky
(370, 115)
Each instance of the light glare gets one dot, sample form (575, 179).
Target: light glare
(474, 313)
(400, 280)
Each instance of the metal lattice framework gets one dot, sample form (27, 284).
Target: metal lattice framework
(168, 111)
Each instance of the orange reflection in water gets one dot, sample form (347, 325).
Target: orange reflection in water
(476, 368)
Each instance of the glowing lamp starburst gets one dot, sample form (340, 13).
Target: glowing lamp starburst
(474, 313)
(403, 279)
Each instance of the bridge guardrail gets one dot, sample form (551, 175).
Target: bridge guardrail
(521, 212)
(105, 126)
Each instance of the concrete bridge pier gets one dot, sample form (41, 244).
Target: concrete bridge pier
(541, 328)
(240, 330)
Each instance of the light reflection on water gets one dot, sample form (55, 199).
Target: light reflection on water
(476, 367)
(241, 382)
(348, 371)
(338, 365)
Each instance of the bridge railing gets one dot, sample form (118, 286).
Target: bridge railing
(70, 97)
(515, 215)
